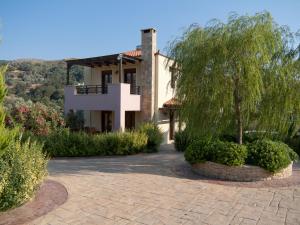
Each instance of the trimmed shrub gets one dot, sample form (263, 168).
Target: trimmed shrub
(270, 155)
(22, 169)
(67, 143)
(182, 140)
(294, 143)
(229, 153)
(292, 154)
(154, 134)
(198, 151)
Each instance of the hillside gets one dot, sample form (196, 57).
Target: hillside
(38, 81)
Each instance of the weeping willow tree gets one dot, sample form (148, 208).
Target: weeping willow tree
(3, 91)
(237, 75)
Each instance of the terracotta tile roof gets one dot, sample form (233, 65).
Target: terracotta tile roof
(173, 102)
(134, 53)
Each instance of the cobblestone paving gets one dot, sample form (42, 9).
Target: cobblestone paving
(143, 189)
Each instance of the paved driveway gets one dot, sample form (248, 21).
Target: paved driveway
(145, 189)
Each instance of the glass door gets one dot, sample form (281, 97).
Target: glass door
(130, 78)
(106, 79)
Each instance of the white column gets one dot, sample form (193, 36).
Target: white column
(119, 124)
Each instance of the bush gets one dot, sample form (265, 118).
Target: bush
(22, 169)
(67, 143)
(155, 136)
(36, 117)
(292, 154)
(182, 140)
(75, 120)
(229, 153)
(270, 155)
(198, 151)
(294, 143)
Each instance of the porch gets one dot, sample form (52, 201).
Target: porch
(116, 99)
(105, 121)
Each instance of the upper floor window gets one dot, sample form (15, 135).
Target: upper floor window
(130, 76)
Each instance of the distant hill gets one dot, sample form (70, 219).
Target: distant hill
(38, 80)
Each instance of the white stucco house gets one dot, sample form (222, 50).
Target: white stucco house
(122, 90)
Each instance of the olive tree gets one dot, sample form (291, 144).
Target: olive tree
(237, 75)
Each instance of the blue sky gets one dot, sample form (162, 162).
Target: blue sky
(57, 29)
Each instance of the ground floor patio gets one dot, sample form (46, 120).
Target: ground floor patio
(160, 189)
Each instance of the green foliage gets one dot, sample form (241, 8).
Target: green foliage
(292, 154)
(37, 118)
(229, 153)
(226, 153)
(22, 165)
(294, 143)
(199, 151)
(182, 140)
(3, 91)
(270, 155)
(40, 81)
(75, 121)
(154, 135)
(63, 142)
(22, 168)
(245, 70)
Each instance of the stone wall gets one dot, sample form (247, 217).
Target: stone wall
(239, 173)
(148, 37)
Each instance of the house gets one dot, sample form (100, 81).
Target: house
(123, 90)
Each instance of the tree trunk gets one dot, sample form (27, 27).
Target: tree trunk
(237, 103)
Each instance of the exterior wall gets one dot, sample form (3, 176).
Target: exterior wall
(164, 90)
(163, 93)
(118, 99)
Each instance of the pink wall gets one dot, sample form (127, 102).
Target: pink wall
(118, 99)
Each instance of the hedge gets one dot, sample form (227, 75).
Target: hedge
(270, 155)
(67, 143)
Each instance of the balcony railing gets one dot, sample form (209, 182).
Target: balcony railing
(99, 89)
(91, 89)
(135, 90)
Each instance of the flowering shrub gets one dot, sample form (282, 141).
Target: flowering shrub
(36, 117)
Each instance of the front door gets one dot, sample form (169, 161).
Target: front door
(129, 120)
(106, 79)
(106, 121)
(130, 78)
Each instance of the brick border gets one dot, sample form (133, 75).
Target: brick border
(239, 173)
(50, 195)
(184, 170)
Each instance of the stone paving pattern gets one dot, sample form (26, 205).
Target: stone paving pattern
(145, 189)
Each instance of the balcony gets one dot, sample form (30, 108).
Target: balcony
(98, 89)
(114, 97)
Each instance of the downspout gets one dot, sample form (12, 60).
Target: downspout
(120, 59)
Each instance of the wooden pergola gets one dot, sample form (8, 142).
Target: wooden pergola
(170, 107)
(107, 60)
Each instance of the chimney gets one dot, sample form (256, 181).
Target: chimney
(148, 48)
